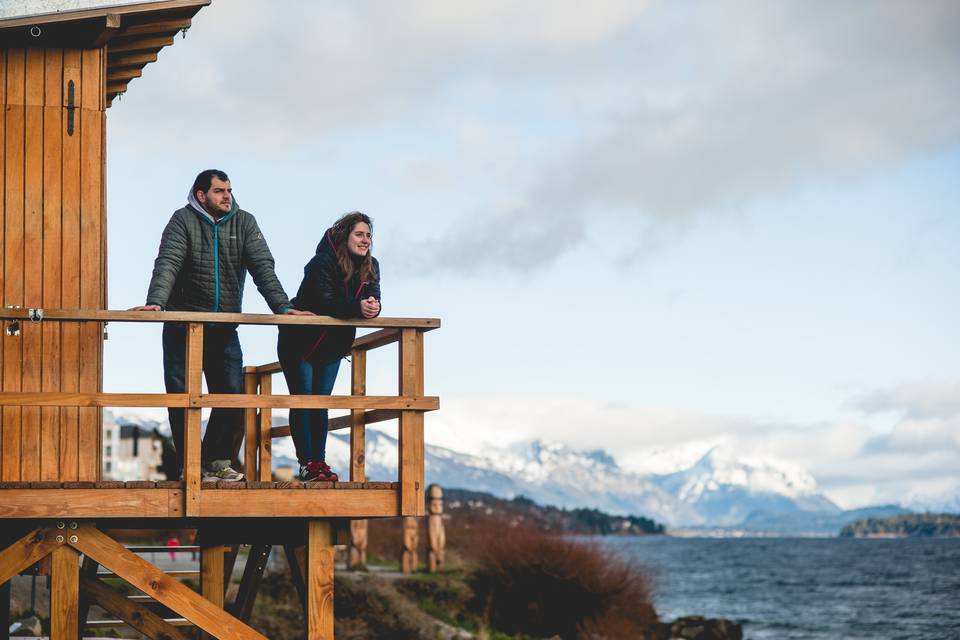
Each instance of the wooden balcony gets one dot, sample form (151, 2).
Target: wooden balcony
(259, 497)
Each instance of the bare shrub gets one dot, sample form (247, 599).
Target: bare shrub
(532, 582)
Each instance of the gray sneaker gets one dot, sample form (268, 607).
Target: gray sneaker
(221, 471)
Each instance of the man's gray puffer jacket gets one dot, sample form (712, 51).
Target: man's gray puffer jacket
(202, 264)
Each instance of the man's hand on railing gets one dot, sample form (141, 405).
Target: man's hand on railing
(146, 307)
(298, 312)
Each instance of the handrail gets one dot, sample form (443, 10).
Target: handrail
(67, 315)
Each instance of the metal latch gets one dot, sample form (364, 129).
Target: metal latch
(70, 107)
(35, 315)
(13, 328)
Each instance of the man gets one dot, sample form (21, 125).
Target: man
(206, 250)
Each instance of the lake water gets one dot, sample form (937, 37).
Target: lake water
(809, 588)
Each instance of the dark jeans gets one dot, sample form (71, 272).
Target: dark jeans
(223, 369)
(308, 427)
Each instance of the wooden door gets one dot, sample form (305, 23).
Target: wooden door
(52, 231)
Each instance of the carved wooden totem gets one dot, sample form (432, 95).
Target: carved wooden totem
(410, 540)
(435, 532)
(357, 559)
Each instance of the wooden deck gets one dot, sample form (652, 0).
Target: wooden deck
(107, 500)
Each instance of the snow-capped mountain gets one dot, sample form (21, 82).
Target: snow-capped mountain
(719, 489)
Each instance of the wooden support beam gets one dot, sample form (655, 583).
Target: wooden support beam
(142, 44)
(153, 582)
(65, 594)
(27, 550)
(110, 28)
(130, 60)
(411, 449)
(319, 580)
(152, 28)
(250, 583)
(211, 576)
(358, 418)
(191, 431)
(266, 419)
(296, 560)
(136, 615)
(251, 434)
(124, 75)
(88, 569)
(87, 503)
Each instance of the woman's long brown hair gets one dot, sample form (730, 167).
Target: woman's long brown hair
(348, 264)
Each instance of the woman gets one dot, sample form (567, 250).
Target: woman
(342, 280)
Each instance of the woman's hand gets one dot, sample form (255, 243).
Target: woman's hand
(370, 307)
(298, 312)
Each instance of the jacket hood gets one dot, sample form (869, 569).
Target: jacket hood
(194, 204)
(326, 243)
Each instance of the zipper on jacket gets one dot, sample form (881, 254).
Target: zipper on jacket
(216, 266)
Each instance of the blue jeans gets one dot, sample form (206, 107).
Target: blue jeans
(223, 369)
(308, 427)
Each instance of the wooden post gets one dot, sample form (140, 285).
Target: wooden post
(358, 424)
(436, 536)
(357, 558)
(211, 575)
(408, 559)
(410, 461)
(319, 580)
(250, 583)
(266, 421)
(251, 436)
(65, 594)
(191, 430)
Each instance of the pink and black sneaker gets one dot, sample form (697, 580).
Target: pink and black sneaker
(317, 472)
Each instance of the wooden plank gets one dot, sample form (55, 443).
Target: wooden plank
(91, 278)
(88, 569)
(296, 560)
(52, 261)
(369, 417)
(77, 314)
(26, 551)
(70, 270)
(358, 422)
(123, 75)
(211, 576)
(32, 258)
(410, 450)
(191, 433)
(141, 44)
(3, 333)
(250, 431)
(319, 580)
(136, 615)
(65, 594)
(87, 503)
(94, 399)
(13, 250)
(160, 26)
(257, 559)
(129, 60)
(321, 503)
(266, 418)
(376, 339)
(153, 582)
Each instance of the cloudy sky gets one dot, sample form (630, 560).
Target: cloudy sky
(647, 226)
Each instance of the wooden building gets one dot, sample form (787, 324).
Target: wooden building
(59, 74)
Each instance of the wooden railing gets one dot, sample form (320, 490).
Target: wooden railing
(408, 405)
